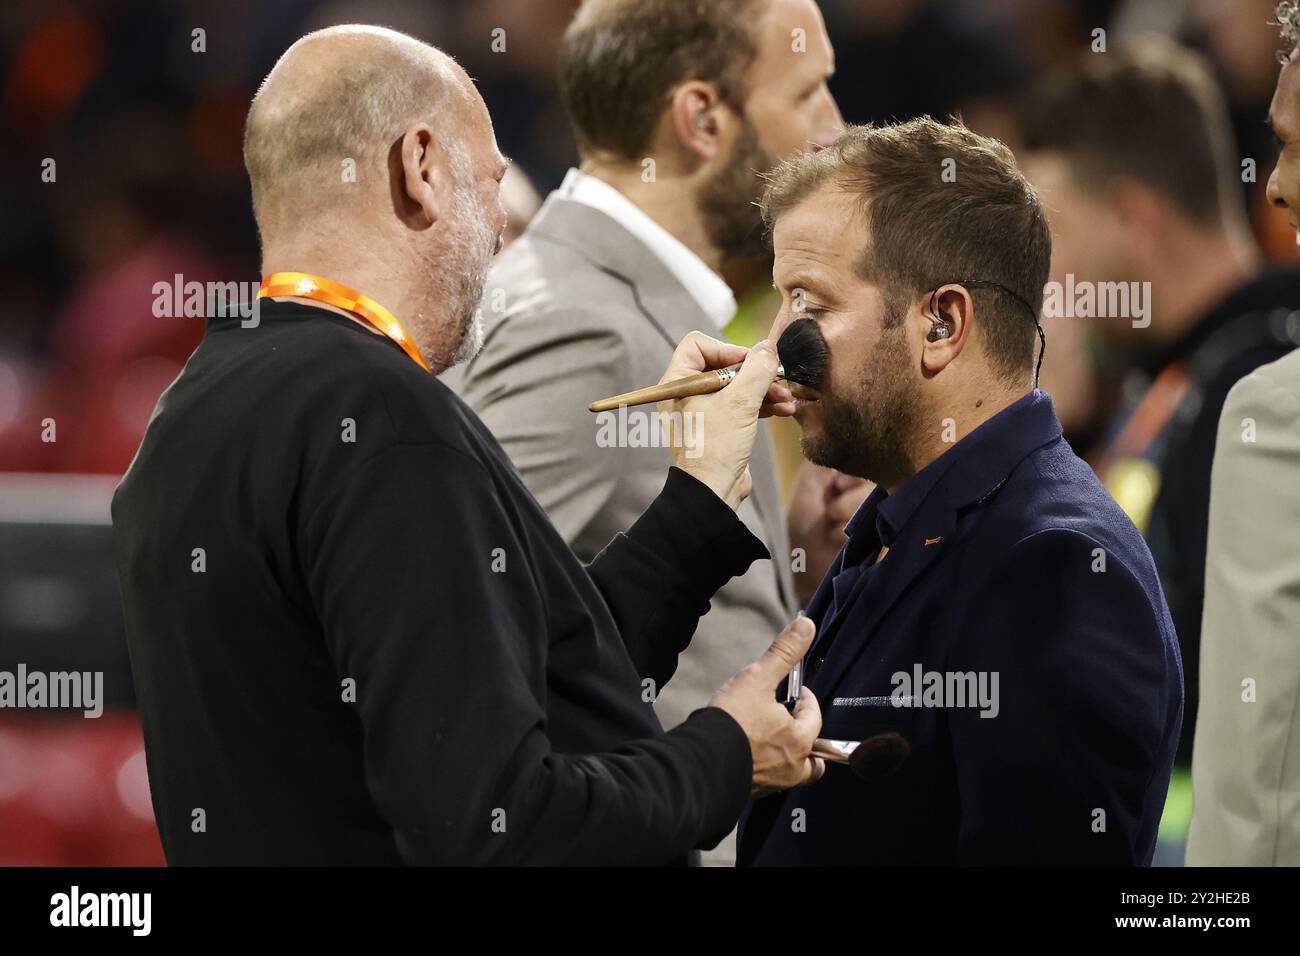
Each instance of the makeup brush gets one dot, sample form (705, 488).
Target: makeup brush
(801, 349)
(873, 759)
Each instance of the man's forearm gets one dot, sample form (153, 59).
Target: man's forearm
(647, 803)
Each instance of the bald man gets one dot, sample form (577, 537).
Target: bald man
(356, 638)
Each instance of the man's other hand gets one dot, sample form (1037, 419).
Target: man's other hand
(781, 741)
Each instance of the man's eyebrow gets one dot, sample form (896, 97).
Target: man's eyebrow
(798, 281)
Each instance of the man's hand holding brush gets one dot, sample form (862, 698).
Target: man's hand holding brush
(725, 422)
(781, 741)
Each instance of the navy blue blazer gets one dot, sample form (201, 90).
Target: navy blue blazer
(1016, 635)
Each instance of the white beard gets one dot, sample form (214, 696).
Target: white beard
(469, 254)
(471, 340)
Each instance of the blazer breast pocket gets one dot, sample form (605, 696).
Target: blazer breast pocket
(857, 718)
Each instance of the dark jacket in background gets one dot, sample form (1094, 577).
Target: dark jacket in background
(357, 639)
(1257, 323)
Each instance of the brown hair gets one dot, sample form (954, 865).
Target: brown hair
(620, 59)
(943, 204)
(1150, 111)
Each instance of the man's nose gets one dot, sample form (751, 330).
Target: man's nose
(783, 319)
(1273, 192)
(830, 123)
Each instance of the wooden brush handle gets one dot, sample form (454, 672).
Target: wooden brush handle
(701, 384)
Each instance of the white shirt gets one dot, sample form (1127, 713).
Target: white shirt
(705, 286)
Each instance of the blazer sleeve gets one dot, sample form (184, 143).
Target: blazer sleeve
(1246, 757)
(1059, 772)
(531, 383)
(659, 577)
(449, 664)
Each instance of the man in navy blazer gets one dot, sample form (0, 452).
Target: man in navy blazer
(993, 605)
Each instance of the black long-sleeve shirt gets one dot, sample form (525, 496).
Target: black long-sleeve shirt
(356, 638)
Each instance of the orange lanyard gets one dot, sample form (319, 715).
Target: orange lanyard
(1152, 413)
(307, 286)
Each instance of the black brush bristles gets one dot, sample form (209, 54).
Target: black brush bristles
(879, 756)
(803, 353)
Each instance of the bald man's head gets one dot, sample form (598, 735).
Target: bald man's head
(330, 111)
(373, 163)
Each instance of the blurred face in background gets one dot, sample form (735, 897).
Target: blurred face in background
(789, 103)
(862, 418)
(789, 110)
(1284, 116)
(1089, 238)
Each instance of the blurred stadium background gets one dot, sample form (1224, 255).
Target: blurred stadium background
(150, 182)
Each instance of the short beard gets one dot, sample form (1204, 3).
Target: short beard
(464, 269)
(728, 201)
(869, 433)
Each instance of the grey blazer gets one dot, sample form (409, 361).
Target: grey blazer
(1246, 754)
(577, 309)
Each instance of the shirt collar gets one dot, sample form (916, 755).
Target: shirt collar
(704, 285)
(969, 470)
(886, 514)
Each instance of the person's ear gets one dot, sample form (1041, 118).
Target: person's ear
(946, 318)
(695, 115)
(420, 177)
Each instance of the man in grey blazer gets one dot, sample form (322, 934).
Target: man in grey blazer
(678, 109)
(1246, 761)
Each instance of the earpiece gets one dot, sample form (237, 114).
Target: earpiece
(941, 329)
